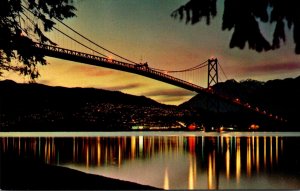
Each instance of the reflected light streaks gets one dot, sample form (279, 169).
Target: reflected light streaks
(257, 154)
(166, 180)
(218, 156)
(192, 172)
(248, 157)
(211, 173)
(227, 159)
(238, 160)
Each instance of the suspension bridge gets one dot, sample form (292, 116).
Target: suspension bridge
(97, 58)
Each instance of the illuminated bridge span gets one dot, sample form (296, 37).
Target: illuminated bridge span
(144, 70)
(74, 50)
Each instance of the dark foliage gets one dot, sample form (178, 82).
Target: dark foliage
(18, 31)
(244, 17)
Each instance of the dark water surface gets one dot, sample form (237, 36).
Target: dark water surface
(171, 160)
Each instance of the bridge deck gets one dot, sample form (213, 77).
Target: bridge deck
(81, 57)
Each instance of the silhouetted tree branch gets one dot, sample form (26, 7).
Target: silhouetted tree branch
(18, 31)
(243, 16)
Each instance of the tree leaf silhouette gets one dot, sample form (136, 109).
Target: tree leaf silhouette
(243, 18)
(195, 10)
(14, 43)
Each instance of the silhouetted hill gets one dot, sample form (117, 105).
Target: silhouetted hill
(279, 97)
(37, 107)
(40, 107)
(34, 96)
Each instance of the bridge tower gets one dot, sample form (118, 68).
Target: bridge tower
(213, 77)
(212, 104)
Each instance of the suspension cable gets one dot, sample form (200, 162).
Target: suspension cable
(223, 71)
(169, 71)
(187, 70)
(203, 64)
(93, 41)
(68, 37)
(79, 42)
(32, 22)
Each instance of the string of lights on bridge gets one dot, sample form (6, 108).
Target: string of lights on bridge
(189, 73)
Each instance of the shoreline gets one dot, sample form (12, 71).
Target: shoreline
(147, 133)
(28, 174)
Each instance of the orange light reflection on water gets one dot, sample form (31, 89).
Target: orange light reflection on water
(98, 152)
(227, 158)
(243, 154)
(248, 157)
(133, 147)
(211, 171)
(238, 160)
(166, 180)
(257, 154)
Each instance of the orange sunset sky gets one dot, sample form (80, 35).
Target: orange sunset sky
(143, 31)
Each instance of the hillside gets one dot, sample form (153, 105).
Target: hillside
(39, 107)
(34, 96)
(279, 97)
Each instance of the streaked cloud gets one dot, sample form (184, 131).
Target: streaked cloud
(275, 67)
(91, 71)
(171, 100)
(46, 82)
(125, 87)
(170, 93)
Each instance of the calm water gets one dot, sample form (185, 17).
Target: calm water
(172, 160)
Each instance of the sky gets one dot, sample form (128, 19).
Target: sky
(143, 31)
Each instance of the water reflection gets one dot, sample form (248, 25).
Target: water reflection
(166, 179)
(182, 161)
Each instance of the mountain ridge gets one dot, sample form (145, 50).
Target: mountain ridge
(40, 107)
(78, 108)
(277, 97)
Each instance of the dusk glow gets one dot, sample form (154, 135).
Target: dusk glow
(149, 94)
(143, 31)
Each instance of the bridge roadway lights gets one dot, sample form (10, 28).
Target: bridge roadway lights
(76, 56)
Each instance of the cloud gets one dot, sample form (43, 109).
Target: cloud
(90, 71)
(274, 67)
(125, 87)
(46, 82)
(170, 93)
(167, 99)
